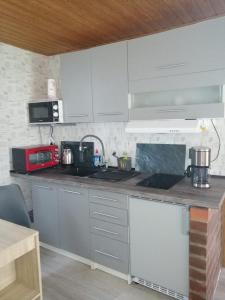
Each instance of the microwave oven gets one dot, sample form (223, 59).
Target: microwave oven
(33, 158)
(45, 112)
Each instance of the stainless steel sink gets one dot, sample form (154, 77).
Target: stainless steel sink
(113, 174)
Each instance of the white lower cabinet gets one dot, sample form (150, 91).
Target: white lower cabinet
(159, 246)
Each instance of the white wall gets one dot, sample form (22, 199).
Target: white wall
(23, 77)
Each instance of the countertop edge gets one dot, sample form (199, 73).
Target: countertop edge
(123, 190)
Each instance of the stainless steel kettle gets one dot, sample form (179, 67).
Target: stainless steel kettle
(67, 156)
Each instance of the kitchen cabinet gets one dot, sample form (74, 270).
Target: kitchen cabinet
(109, 82)
(109, 226)
(159, 243)
(95, 84)
(178, 74)
(108, 214)
(61, 215)
(183, 103)
(90, 223)
(45, 207)
(110, 253)
(190, 49)
(109, 230)
(74, 220)
(108, 198)
(76, 86)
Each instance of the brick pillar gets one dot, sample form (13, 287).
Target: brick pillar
(205, 252)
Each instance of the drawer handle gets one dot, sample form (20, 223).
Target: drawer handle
(71, 192)
(170, 110)
(106, 231)
(42, 186)
(171, 66)
(104, 198)
(80, 115)
(105, 215)
(110, 114)
(107, 254)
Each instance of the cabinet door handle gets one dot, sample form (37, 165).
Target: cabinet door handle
(185, 221)
(105, 215)
(104, 198)
(170, 110)
(42, 187)
(71, 192)
(107, 254)
(171, 66)
(78, 116)
(109, 114)
(106, 231)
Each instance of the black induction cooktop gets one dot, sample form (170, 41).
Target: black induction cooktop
(161, 181)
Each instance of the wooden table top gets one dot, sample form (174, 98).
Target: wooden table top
(15, 241)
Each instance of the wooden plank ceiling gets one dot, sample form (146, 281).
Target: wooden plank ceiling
(57, 26)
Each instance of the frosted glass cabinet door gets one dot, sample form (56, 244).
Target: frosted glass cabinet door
(76, 86)
(110, 83)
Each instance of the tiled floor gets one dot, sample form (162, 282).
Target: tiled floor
(66, 279)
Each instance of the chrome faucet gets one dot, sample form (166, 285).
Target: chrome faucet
(81, 148)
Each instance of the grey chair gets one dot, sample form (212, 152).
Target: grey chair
(12, 205)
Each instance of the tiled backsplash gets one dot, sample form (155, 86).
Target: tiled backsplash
(23, 77)
(116, 139)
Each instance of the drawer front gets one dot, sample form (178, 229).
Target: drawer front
(108, 198)
(109, 230)
(76, 191)
(110, 253)
(108, 214)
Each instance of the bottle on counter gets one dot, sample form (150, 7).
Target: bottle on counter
(97, 159)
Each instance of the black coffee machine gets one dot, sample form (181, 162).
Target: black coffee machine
(88, 153)
(199, 168)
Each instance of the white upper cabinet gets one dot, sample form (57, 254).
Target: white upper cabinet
(76, 86)
(190, 49)
(110, 82)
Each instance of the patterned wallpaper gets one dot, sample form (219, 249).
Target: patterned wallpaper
(23, 77)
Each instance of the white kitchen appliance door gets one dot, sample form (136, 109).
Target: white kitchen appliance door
(159, 244)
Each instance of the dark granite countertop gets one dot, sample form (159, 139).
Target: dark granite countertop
(182, 193)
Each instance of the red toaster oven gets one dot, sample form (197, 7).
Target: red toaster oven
(32, 158)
